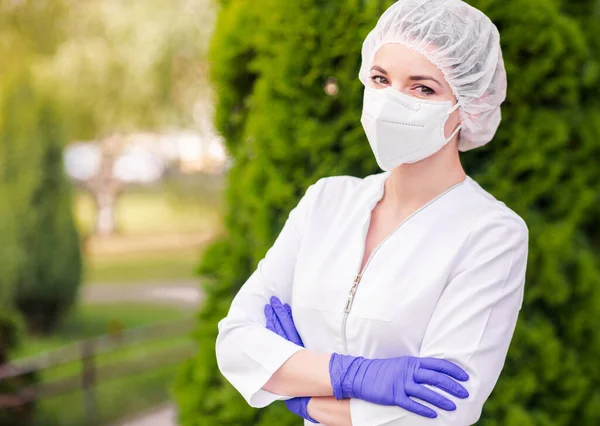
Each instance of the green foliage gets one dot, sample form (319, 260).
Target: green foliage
(44, 259)
(23, 414)
(11, 253)
(126, 66)
(11, 336)
(11, 332)
(26, 30)
(270, 62)
(28, 26)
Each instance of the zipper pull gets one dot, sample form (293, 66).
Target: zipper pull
(352, 293)
(348, 304)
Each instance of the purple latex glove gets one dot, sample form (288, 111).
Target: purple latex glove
(281, 322)
(395, 381)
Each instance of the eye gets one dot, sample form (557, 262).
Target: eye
(424, 90)
(380, 80)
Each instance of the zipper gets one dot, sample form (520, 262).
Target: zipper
(352, 293)
(361, 273)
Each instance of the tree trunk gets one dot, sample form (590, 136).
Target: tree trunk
(106, 200)
(105, 187)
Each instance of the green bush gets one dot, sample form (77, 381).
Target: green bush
(11, 333)
(270, 61)
(11, 336)
(10, 250)
(43, 256)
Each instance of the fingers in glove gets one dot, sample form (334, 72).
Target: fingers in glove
(427, 395)
(414, 407)
(286, 321)
(440, 381)
(273, 323)
(270, 316)
(444, 366)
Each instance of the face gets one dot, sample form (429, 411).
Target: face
(411, 73)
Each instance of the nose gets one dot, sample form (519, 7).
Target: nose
(398, 87)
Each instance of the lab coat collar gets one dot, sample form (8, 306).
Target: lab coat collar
(376, 188)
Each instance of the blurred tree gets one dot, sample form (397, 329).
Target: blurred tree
(125, 67)
(30, 28)
(32, 136)
(271, 62)
(40, 254)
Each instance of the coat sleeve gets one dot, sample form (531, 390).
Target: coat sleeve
(247, 353)
(472, 324)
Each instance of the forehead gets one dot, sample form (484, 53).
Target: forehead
(398, 59)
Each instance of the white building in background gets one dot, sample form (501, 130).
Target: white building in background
(144, 157)
(195, 153)
(82, 160)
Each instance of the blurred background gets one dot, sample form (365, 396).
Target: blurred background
(111, 182)
(150, 152)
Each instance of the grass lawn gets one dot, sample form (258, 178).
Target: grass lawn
(161, 232)
(117, 398)
(94, 320)
(156, 210)
(168, 266)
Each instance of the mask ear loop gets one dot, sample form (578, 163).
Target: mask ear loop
(454, 108)
(454, 133)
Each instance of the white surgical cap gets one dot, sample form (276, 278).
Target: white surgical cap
(463, 43)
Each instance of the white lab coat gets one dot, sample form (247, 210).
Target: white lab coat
(447, 283)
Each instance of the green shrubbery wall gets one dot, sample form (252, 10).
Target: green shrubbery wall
(270, 62)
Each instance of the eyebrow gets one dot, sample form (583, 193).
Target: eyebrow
(412, 77)
(424, 77)
(378, 68)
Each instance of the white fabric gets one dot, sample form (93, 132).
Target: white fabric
(403, 129)
(463, 43)
(448, 283)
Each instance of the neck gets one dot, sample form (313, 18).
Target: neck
(410, 186)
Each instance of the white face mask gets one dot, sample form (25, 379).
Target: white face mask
(402, 129)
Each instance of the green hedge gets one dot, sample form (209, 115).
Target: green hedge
(270, 61)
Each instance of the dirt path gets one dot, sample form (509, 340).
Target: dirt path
(181, 293)
(125, 245)
(165, 416)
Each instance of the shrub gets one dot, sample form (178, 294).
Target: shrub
(44, 257)
(11, 335)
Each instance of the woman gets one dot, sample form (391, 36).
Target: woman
(405, 286)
